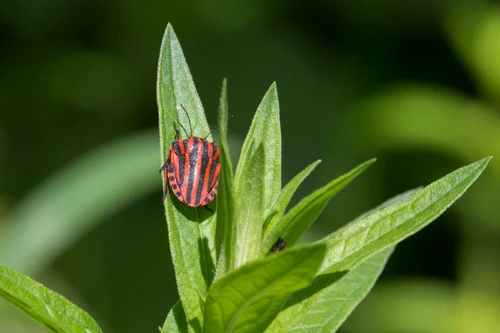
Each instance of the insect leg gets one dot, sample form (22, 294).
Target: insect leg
(165, 178)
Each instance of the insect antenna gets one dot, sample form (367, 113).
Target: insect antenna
(209, 133)
(189, 119)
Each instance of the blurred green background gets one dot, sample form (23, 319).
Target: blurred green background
(414, 83)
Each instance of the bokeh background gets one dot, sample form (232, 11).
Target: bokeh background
(414, 83)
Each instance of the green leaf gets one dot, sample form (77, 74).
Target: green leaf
(174, 87)
(249, 298)
(272, 232)
(176, 321)
(392, 201)
(50, 309)
(226, 226)
(417, 117)
(351, 245)
(191, 230)
(304, 302)
(250, 209)
(325, 304)
(265, 130)
(295, 222)
(65, 206)
(356, 242)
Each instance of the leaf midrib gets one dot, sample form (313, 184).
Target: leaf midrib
(174, 96)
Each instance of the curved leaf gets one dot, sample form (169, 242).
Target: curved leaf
(176, 321)
(423, 117)
(327, 302)
(351, 245)
(65, 206)
(474, 30)
(191, 231)
(226, 226)
(361, 239)
(295, 222)
(272, 231)
(50, 309)
(250, 210)
(305, 303)
(249, 298)
(265, 130)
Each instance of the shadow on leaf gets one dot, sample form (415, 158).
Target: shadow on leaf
(206, 261)
(320, 282)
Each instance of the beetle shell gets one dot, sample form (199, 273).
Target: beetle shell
(193, 170)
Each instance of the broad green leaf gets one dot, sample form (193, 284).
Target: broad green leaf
(272, 232)
(354, 243)
(65, 206)
(250, 210)
(295, 222)
(191, 231)
(226, 226)
(351, 245)
(419, 117)
(48, 308)
(304, 302)
(265, 130)
(175, 86)
(325, 304)
(176, 321)
(249, 298)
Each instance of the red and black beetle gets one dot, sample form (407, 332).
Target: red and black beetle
(192, 169)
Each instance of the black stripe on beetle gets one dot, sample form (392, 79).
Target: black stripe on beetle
(193, 160)
(192, 169)
(201, 179)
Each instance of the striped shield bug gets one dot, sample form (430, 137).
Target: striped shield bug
(192, 169)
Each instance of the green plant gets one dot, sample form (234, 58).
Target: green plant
(226, 277)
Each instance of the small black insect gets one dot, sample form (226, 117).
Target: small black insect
(279, 245)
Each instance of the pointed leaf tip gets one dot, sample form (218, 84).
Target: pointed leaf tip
(362, 238)
(300, 217)
(273, 229)
(273, 88)
(170, 29)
